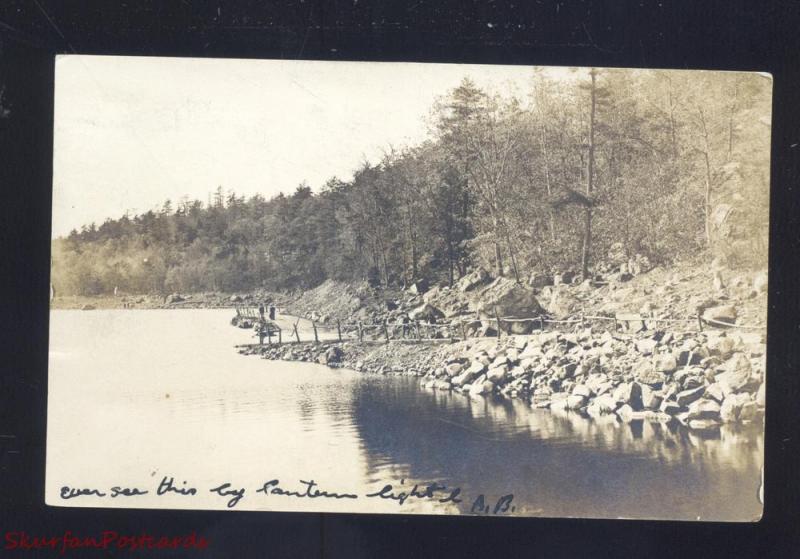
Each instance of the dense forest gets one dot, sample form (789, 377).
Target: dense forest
(664, 164)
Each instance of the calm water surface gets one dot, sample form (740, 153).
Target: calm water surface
(137, 395)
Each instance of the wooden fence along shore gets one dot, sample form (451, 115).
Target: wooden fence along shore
(419, 331)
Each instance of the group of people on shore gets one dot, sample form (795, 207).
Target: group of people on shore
(262, 310)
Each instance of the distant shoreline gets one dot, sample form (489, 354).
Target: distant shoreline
(207, 300)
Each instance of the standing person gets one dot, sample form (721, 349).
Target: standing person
(405, 320)
(261, 310)
(272, 312)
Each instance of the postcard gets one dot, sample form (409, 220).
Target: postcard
(408, 288)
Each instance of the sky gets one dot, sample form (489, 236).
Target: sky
(131, 132)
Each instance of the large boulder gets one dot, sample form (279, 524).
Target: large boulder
(651, 399)
(732, 407)
(760, 282)
(691, 357)
(426, 313)
(723, 313)
(333, 355)
(749, 411)
(582, 390)
(562, 304)
(480, 388)
(646, 346)
(475, 370)
(506, 298)
(715, 391)
(520, 327)
(652, 378)
(629, 393)
(472, 280)
(686, 397)
(704, 409)
(473, 328)
(665, 362)
(671, 408)
(737, 373)
(538, 280)
(418, 288)
(442, 384)
(630, 322)
(497, 374)
(575, 401)
(603, 404)
(722, 346)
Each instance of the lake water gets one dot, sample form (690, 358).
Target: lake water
(139, 395)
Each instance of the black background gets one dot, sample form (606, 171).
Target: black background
(741, 35)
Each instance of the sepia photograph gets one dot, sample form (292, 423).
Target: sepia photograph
(408, 288)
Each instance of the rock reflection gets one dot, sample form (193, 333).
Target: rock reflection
(736, 446)
(571, 464)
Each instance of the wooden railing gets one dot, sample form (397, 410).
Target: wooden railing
(456, 329)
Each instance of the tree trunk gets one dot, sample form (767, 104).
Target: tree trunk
(414, 259)
(511, 251)
(498, 257)
(707, 161)
(450, 263)
(731, 118)
(587, 218)
(672, 131)
(543, 142)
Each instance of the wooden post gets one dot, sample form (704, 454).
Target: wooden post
(386, 330)
(296, 333)
(339, 329)
(360, 332)
(280, 336)
(497, 317)
(314, 326)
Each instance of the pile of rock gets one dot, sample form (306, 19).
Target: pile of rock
(391, 358)
(701, 379)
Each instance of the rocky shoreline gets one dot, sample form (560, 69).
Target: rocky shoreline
(700, 379)
(685, 344)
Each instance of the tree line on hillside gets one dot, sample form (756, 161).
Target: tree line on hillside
(664, 164)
